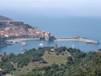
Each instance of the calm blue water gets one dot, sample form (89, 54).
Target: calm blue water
(89, 27)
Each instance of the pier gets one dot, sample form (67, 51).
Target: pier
(78, 39)
(19, 40)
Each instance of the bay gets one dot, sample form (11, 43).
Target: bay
(89, 27)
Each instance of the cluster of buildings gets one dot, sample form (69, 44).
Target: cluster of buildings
(23, 33)
(19, 29)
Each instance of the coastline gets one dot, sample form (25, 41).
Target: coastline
(21, 40)
(80, 39)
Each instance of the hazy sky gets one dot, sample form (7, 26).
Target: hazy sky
(64, 7)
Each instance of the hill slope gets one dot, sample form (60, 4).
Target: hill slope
(12, 28)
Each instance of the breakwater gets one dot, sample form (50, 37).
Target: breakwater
(78, 39)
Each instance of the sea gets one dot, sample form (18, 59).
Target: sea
(89, 27)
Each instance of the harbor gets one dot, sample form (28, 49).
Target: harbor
(72, 39)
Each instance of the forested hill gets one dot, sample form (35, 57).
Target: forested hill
(48, 61)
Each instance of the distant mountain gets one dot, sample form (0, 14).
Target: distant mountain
(4, 18)
(7, 22)
(12, 28)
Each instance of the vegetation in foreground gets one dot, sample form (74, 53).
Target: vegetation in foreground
(52, 61)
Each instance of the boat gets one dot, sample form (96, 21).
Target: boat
(41, 45)
(23, 43)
